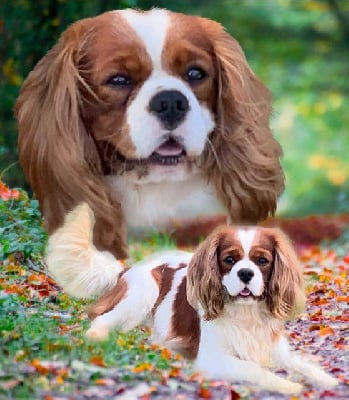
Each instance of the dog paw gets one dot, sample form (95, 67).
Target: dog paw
(290, 388)
(328, 381)
(97, 333)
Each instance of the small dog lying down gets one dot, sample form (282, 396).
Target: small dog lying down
(223, 306)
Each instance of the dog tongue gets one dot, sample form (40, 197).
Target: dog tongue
(169, 148)
(245, 292)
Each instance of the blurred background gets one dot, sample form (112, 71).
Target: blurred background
(299, 48)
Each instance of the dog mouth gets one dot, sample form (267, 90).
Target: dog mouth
(169, 153)
(245, 293)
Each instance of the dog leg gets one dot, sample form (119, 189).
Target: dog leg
(287, 359)
(216, 364)
(223, 366)
(141, 293)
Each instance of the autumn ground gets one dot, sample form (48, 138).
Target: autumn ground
(44, 354)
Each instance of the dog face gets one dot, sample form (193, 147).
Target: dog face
(154, 78)
(246, 265)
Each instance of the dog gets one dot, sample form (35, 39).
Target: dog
(224, 306)
(152, 118)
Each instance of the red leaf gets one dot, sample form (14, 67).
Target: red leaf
(205, 393)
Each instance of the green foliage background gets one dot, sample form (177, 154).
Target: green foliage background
(298, 48)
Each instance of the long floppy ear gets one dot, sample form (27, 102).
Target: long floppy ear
(204, 283)
(285, 294)
(242, 159)
(58, 156)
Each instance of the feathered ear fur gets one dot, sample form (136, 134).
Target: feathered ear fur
(59, 157)
(243, 158)
(204, 283)
(285, 292)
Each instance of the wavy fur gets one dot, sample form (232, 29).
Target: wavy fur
(243, 160)
(58, 155)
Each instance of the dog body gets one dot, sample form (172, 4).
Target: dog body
(223, 306)
(151, 118)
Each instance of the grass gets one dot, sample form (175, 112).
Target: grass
(45, 355)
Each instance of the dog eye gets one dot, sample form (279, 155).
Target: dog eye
(230, 260)
(262, 261)
(119, 80)
(194, 74)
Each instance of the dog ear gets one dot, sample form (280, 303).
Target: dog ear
(285, 293)
(204, 283)
(243, 157)
(58, 155)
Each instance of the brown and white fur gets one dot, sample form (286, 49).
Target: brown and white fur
(223, 306)
(151, 118)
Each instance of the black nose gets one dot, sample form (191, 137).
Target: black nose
(245, 274)
(170, 107)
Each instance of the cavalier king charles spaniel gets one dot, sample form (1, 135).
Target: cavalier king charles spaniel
(152, 118)
(224, 306)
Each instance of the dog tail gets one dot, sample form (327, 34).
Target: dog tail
(73, 260)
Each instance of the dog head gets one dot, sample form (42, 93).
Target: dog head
(246, 265)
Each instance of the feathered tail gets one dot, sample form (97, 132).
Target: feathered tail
(73, 260)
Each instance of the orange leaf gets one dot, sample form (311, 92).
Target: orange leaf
(97, 360)
(314, 328)
(143, 367)
(205, 393)
(343, 298)
(326, 331)
(105, 382)
(42, 369)
(175, 372)
(320, 302)
(165, 353)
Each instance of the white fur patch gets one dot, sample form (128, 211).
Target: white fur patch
(151, 27)
(246, 237)
(182, 197)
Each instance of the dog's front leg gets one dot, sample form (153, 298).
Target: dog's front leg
(287, 359)
(219, 365)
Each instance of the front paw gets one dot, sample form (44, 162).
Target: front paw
(97, 333)
(327, 381)
(289, 387)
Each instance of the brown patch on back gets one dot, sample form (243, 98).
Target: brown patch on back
(109, 300)
(163, 276)
(185, 323)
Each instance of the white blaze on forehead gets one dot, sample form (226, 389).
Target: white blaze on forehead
(151, 27)
(246, 237)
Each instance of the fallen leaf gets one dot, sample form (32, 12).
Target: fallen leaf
(326, 331)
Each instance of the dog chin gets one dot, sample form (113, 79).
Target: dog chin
(245, 300)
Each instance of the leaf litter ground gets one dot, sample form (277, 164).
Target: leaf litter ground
(44, 354)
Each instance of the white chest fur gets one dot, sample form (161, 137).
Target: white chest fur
(156, 205)
(246, 332)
